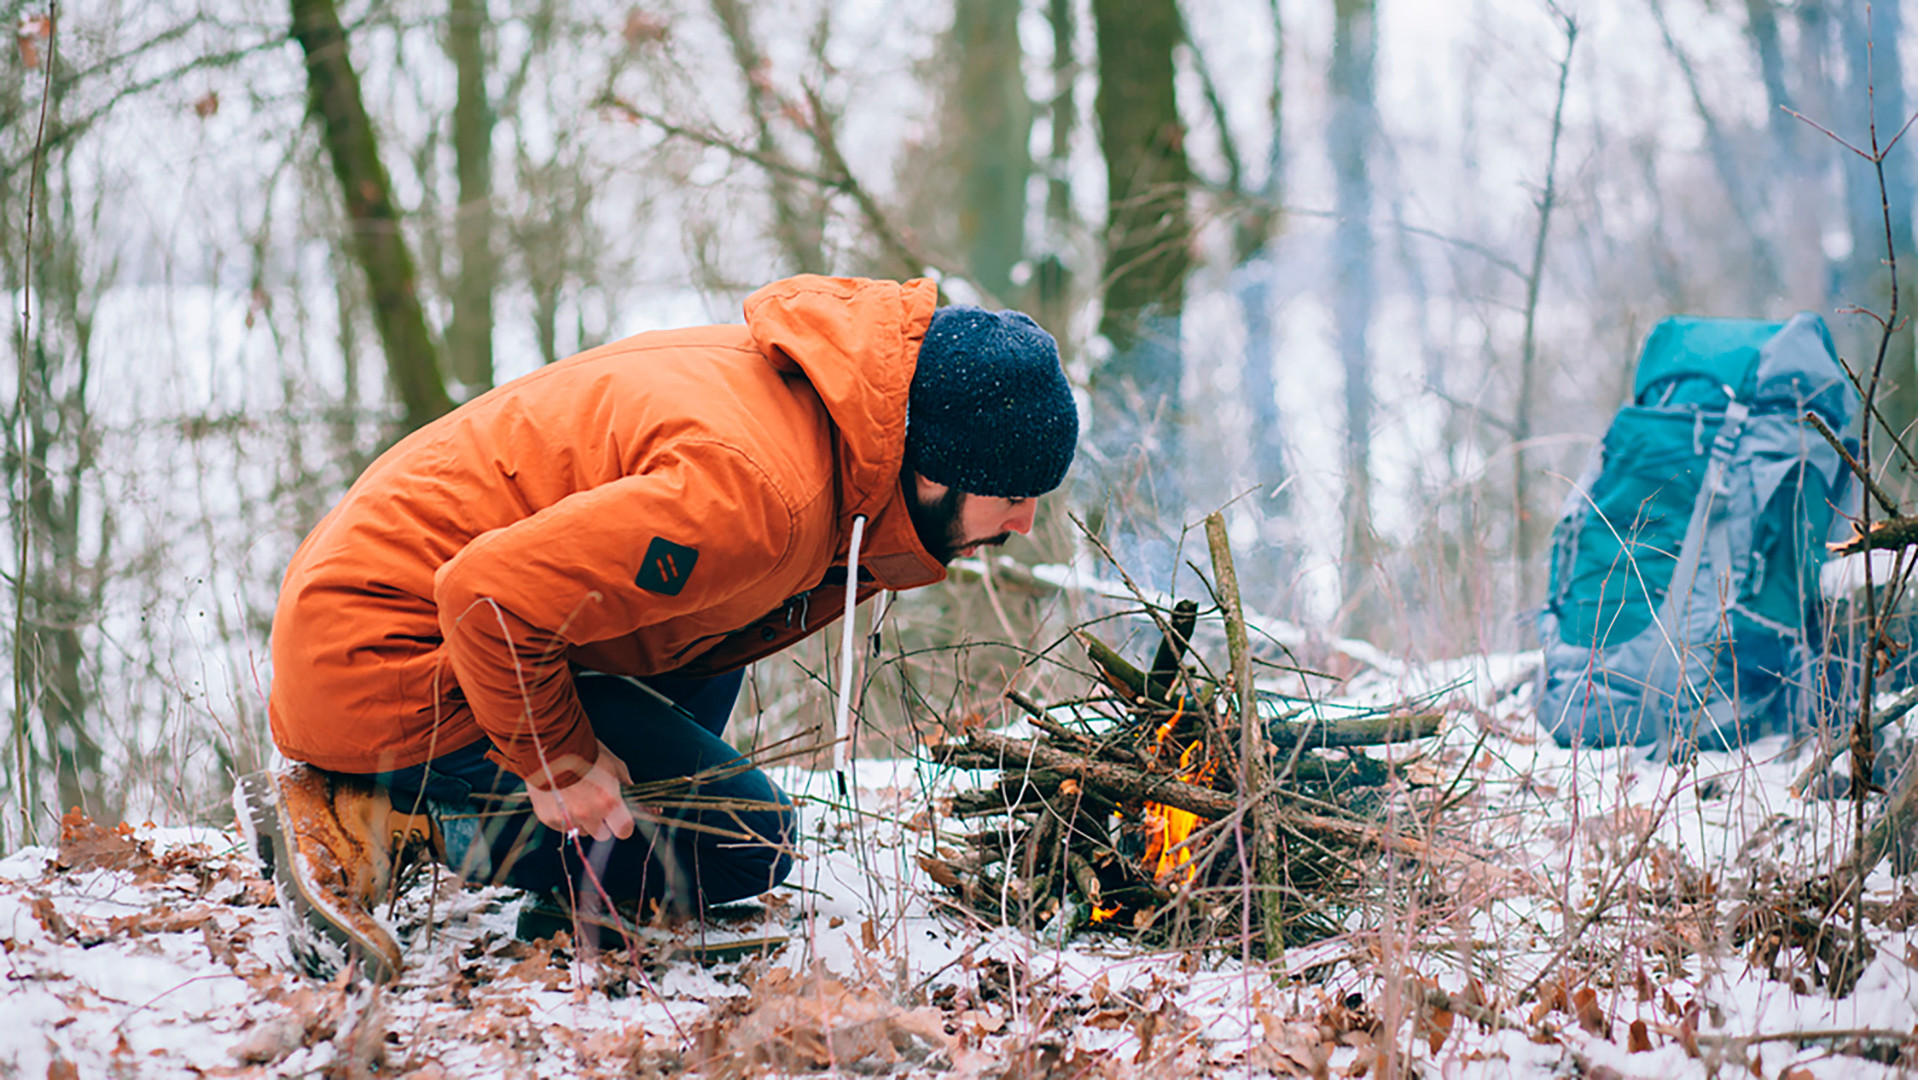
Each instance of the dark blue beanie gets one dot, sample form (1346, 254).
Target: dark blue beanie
(990, 412)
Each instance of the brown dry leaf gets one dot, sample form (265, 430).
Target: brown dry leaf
(207, 104)
(32, 30)
(161, 920)
(940, 871)
(62, 1068)
(1796, 1074)
(1551, 999)
(1143, 1029)
(87, 846)
(817, 1023)
(1590, 1016)
(538, 969)
(1639, 1039)
(1289, 1050)
(642, 27)
(267, 1042)
(1688, 1031)
(50, 918)
(1436, 1024)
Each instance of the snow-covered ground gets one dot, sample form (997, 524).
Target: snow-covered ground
(1614, 883)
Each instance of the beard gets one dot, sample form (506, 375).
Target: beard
(938, 523)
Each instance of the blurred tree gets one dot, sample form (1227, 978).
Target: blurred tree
(51, 450)
(1350, 141)
(988, 104)
(1872, 108)
(1052, 277)
(1137, 414)
(964, 188)
(333, 95)
(1799, 168)
(469, 337)
(1254, 201)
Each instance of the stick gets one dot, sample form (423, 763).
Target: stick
(1117, 670)
(1359, 731)
(1864, 475)
(1254, 755)
(1821, 761)
(1888, 535)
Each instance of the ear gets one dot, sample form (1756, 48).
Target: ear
(927, 491)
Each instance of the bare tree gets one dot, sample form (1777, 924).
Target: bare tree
(1137, 411)
(50, 455)
(333, 94)
(1350, 137)
(469, 337)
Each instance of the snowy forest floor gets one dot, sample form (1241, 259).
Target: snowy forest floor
(1664, 919)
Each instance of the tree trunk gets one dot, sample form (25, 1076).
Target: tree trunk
(1350, 137)
(990, 102)
(333, 94)
(1052, 281)
(1798, 195)
(1874, 90)
(1137, 414)
(469, 339)
(1254, 272)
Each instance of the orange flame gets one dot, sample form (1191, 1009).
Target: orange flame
(1101, 914)
(1169, 825)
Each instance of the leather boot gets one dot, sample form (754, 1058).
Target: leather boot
(332, 844)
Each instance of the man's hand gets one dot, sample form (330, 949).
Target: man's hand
(592, 805)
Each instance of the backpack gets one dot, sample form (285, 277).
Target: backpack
(1684, 566)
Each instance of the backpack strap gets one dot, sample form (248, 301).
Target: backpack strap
(1665, 676)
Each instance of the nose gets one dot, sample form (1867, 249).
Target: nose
(1020, 518)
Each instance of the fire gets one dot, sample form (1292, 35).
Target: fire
(1170, 825)
(1101, 914)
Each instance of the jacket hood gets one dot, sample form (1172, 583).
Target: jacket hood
(857, 341)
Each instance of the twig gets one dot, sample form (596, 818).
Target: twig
(1864, 475)
(22, 528)
(1822, 760)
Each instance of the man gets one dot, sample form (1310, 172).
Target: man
(552, 591)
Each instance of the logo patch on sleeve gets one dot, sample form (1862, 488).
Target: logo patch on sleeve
(666, 567)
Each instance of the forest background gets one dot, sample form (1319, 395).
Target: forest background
(1372, 276)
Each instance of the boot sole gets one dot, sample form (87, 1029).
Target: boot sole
(321, 943)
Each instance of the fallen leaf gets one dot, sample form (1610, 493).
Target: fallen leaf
(1640, 1038)
(1688, 1031)
(1590, 1016)
(1437, 1025)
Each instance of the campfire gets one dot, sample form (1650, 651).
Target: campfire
(1126, 810)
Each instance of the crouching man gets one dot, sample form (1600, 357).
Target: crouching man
(553, 590)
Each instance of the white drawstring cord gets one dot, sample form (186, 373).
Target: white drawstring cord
(842, 722)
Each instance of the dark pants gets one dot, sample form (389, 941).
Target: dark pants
(681, 869)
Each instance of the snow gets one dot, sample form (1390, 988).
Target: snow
(175, 962)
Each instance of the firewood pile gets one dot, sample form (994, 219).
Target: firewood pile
(1176, 803)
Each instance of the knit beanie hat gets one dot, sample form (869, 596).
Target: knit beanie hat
(990, 412)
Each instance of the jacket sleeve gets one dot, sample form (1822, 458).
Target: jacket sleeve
(676, 539)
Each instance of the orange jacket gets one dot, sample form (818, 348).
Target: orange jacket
(672, 502)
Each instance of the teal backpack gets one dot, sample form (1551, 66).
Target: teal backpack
(1683, 609)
